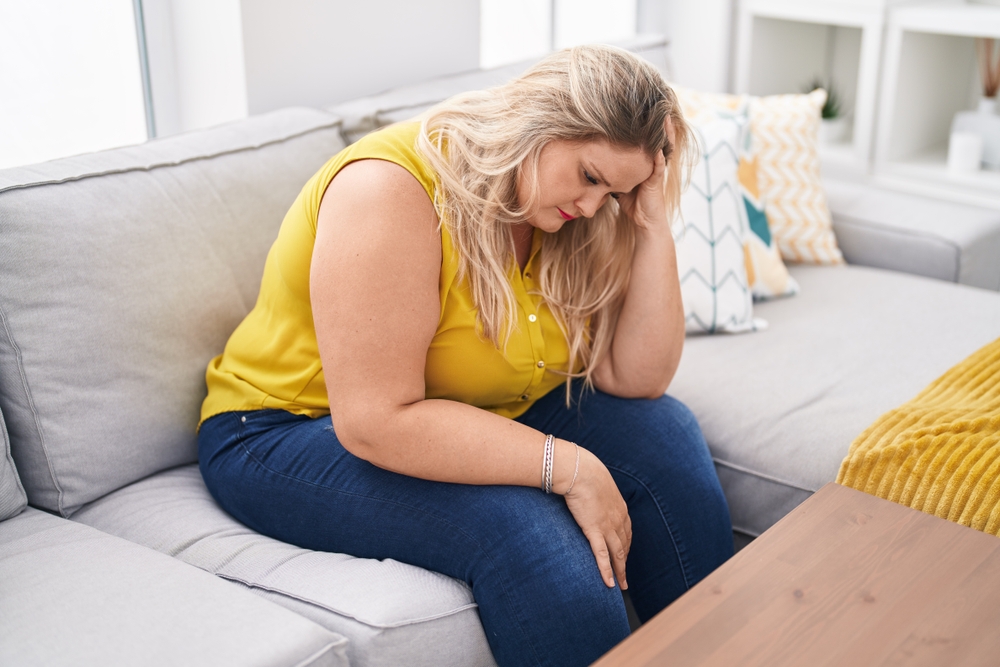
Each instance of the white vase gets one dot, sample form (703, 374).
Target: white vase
(986, 123)
(833, 131)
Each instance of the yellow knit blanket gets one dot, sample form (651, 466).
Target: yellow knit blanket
(940, 452)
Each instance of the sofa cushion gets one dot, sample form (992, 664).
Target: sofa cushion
(72, 595)
(785, 142)
(928, 237)
(123, 273)
(392, 613)
(12, 498)
(366, 114)
(780, 408)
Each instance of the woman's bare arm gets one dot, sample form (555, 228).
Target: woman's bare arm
(649, 337)
(375, 300)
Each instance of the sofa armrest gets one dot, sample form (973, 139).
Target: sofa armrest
(927, 237)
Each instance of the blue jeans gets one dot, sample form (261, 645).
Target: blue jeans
(540, 595)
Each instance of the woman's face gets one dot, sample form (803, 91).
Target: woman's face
(576, 179)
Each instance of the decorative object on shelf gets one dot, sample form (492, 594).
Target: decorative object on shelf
(833, 128)
(965, 153)
(984, 121)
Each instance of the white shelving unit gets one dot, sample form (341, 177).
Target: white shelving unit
(785, 44)
(903, 69)
(929, 75)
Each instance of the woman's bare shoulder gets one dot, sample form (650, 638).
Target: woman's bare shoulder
(382, 185)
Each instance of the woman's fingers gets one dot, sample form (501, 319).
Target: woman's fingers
(602, 515)
(600, 548)
(611, 556)
(619, 553)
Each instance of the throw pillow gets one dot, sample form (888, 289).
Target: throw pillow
(766, 273)
(784, 130)
(710, 257)
(785, 135)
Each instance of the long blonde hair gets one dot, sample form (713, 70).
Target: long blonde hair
(480, 142)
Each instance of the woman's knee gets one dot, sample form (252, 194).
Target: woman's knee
(539, 586)
(537, 547)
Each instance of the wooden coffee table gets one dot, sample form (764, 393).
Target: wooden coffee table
(844, 579)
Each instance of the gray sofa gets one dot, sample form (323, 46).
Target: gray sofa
(122, 273)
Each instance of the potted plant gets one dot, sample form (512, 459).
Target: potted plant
(833, 127)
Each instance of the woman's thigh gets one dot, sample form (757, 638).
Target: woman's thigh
(657, 455)
(526, 560)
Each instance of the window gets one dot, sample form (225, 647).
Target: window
(512, 30)
(70, 79)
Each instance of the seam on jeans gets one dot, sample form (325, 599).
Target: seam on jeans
(459, 529)
(659, 508)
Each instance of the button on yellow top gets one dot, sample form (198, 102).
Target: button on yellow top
(272, 359)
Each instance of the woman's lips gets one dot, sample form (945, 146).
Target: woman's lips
(564, 214)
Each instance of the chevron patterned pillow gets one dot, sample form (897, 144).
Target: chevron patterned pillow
(785, 135)
(785, 142)
(710, 257)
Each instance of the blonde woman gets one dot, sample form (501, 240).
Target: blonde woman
(459, 355)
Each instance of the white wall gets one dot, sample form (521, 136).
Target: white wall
(195, 50)
(514, 30)
(319, 52)
(701, 38)
(585, 21)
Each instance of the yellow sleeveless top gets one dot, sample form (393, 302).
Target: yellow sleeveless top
(272, 359)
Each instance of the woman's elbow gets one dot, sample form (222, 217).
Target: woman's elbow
(354, 432)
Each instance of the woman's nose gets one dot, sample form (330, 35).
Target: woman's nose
(589, 204)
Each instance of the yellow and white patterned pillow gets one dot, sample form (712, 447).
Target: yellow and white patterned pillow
(785, 136)
(766, 273)
(785, 132)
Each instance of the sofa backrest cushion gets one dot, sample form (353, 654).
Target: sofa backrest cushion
(12, 498)
(123, 274)
(366, 114)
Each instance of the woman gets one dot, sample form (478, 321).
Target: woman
(393, 394)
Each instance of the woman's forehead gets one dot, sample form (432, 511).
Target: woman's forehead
(620, 167)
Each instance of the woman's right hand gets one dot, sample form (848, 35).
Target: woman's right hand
(600, 511)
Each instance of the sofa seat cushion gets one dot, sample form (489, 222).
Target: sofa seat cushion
(123, 274)
(928, 237)
(392, 613)
(780, 408)
(72, 595)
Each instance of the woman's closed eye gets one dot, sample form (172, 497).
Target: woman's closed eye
(594, 181)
